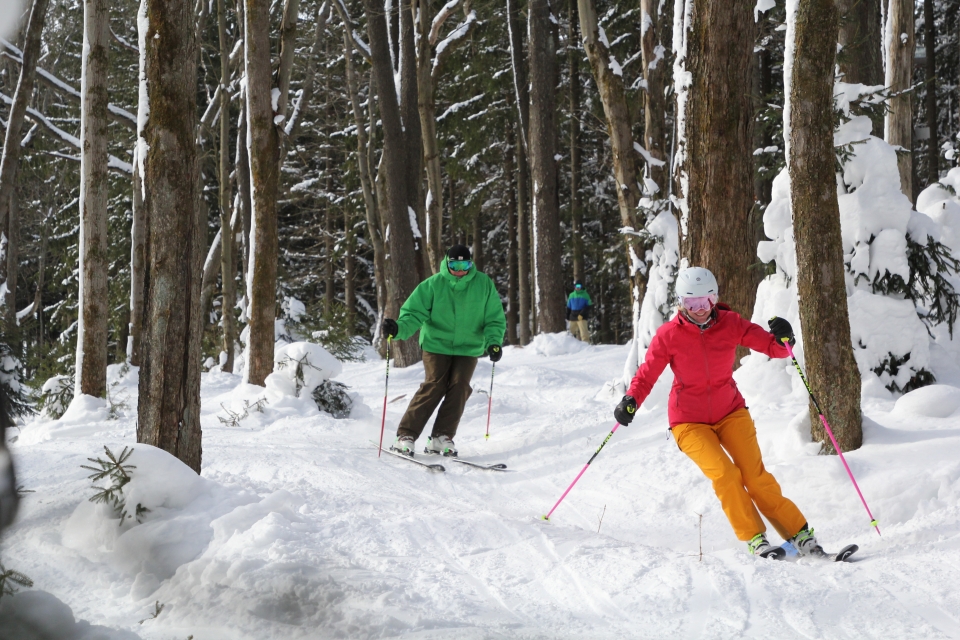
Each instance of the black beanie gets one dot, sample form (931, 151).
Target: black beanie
(458, 252)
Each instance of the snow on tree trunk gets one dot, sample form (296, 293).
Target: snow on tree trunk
(228, 259)
(263, 145)
(548, 276)
(402, 279)
(820, 276)
(898, 127)
(169, 395)
(718, 151)
(94, 305)
(10, 160)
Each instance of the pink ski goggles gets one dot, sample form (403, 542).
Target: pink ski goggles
(699, 303)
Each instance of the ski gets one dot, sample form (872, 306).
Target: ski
(841, 556)
(845, 553)
(432, 467)
(488, 467)
(777, 553)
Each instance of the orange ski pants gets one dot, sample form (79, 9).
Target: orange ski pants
(728, 454)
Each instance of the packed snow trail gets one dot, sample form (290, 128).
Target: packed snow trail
(298, 530)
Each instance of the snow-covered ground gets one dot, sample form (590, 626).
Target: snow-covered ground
(297, 530)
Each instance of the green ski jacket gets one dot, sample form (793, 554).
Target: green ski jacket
(456, 316)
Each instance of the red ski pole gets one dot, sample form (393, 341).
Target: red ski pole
(386, 388)
(836, 447)
(490, 400)
(605, 441)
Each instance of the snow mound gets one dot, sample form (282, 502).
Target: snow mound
(38, 615)
(556, 344)
(933, 401)
(300, 367)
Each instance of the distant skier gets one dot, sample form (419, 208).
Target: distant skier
(579, 306)
(460, 317)
(708, 416)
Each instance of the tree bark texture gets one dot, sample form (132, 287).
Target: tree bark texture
(861, 56)
(263, 142)
(228, 259)
(169, 397)
(413, 136)
(654, 101)
(10, 160)
(898, 125)
(94, 304)
(138, 268)
(513, 316)
(831, 369)
(522, 102)
(431, 148)
(576, 204)
(11, 267)
(719, 152)
(933, 142)
(548, 276)
(394, 206)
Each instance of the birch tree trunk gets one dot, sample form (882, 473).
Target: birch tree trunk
(715, 232)
(394, 205)
(548, 277)
(831, 368)
(263, 142)
(169, 396)
(898, 125)
(228, 259)
(10, 160)
(94, 305)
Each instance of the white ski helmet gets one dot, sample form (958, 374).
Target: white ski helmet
(694, 282)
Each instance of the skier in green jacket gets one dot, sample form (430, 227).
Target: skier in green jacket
(460, 317)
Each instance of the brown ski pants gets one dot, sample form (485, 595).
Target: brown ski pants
(446, 378)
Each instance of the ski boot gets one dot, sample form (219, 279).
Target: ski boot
(441, 445)
(759, 546)
(404, 446)
(806, 543)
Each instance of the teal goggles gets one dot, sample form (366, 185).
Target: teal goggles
(459, 265)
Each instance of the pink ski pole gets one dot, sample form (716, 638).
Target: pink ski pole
(386, 387)
(490, 400)
(605, 441)
(836, 447)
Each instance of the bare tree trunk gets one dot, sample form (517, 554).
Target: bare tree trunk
(11, 144)
(94, 305)
(328, 244)
(431, 149)
(349, 272)
(548, 277)
(138, 268)
(929, 41)
(576, 215)
(513, 316)
(394, 207)
(241, 168)
(522, 100)
(861, 55)
(614, 99)
(11, 266)
(898, 126)
(169, 400)
(478, 240)
(264, 149)
(363, 163)
(654, 101)
(832, 370)
(413, 136)
(719, 152)
(228, 260)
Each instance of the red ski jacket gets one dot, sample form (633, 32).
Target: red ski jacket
(702, 362)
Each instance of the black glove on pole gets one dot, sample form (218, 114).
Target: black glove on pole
(781, 329)
(390, 328)
(495, 353)
(625, 410)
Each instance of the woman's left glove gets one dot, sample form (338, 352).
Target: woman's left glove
(495, 353)
(625, 410)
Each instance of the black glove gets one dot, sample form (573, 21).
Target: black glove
(390, 328)
(625, 410)
(495, 353)
(781, 329)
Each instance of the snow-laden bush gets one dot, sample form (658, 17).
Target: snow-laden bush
(556, 344)
(886, 244)
(304, 369)
(55, 396)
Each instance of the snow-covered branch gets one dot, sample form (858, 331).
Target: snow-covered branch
(448, 44)
(351, 29)
(445, 12)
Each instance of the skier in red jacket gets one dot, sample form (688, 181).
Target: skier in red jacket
(708, 416)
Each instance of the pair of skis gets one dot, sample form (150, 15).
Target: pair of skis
(779, 553)
(439, 468)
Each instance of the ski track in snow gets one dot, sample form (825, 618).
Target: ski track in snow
(361, 547)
